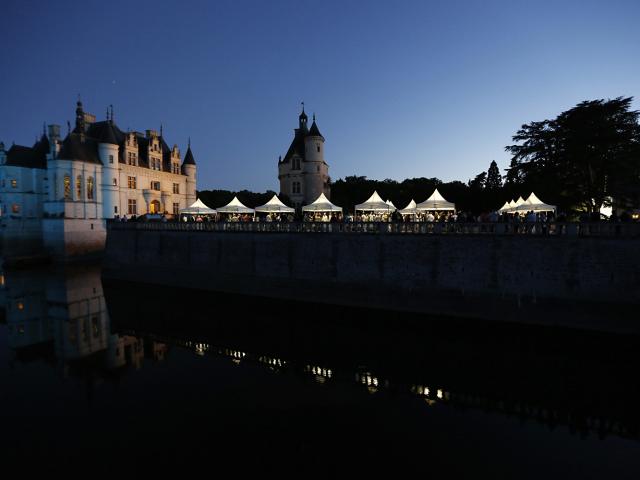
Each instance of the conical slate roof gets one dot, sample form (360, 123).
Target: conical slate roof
(314, 131)
(188, 157)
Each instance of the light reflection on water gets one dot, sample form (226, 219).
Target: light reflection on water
(64, 317)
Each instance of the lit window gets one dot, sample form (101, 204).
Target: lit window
(133, 208)
(67, 187)
(132, 182)
(15, 208)
(90, 188)
(79, 187)
(20, 305)
(14, 183)
(176, 188)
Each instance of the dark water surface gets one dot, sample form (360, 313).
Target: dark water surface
(157, 377)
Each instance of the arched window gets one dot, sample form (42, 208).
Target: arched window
(90, 188)
(67, 187)
(79, 187)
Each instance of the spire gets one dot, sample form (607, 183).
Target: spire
(44, 129)
(160, 130)
(314, 131)
(188, 157)
(111, 113)
(79, 117)
(302, 119)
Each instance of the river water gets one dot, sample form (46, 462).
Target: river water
(104, 374)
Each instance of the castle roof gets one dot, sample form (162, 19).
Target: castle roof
(28, 157)
(297, 145)
(188, 157)
(313, 131)
(78, 146)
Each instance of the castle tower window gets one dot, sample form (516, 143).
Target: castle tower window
(79, 187)
(90, 188)
(318, 147)
(133, 207)
(110, 158)
(131, 182)
(155, 186)
(67, 187)
(176, 188)
(14, 183)
(115, 181)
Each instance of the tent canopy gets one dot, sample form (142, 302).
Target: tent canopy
(275, 206)
(375, 204)
(410, 209)
(390, 203)
(198, 208)
(321, 204)
(235, 206)
(533, 203)
(505, 208)
(436, 202)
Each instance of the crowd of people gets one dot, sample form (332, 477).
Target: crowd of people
(396, 216)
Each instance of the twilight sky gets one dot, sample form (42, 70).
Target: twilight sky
(400, 88)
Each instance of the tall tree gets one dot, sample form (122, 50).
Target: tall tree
(494, 179)
(584, 156)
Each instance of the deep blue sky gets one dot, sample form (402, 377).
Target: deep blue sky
(400, 88)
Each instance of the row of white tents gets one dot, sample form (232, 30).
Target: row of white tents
(531, 204)
(322, 205)
(375, 204)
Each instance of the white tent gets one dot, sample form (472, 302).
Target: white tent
(505, 208)
(436, 202)
(390, 203)
(275, 206)
(375, 204)
(533, 203)
(519, 202)
(409, 209)
(198, 208)
(235, 206)
(321, 204)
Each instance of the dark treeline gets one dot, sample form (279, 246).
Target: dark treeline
(585, 158)
(218, 198)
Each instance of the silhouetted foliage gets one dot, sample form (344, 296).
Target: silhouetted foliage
(494, 179)
(218, 198)
(582, 157)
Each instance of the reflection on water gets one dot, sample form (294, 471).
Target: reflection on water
(62, 319)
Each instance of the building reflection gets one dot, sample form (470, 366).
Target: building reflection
(61, 315)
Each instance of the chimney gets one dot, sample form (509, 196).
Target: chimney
(54, 133)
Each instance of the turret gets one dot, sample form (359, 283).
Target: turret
(108, 151)
(189, 169)
(316, 171)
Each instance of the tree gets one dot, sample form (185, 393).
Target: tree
(582, 157)
(494, 179)
(479, 182)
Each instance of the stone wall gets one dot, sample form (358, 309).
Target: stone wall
(577, 282)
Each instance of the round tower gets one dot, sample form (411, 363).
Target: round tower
(316, 170)
(108, 151)
(189, 169)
